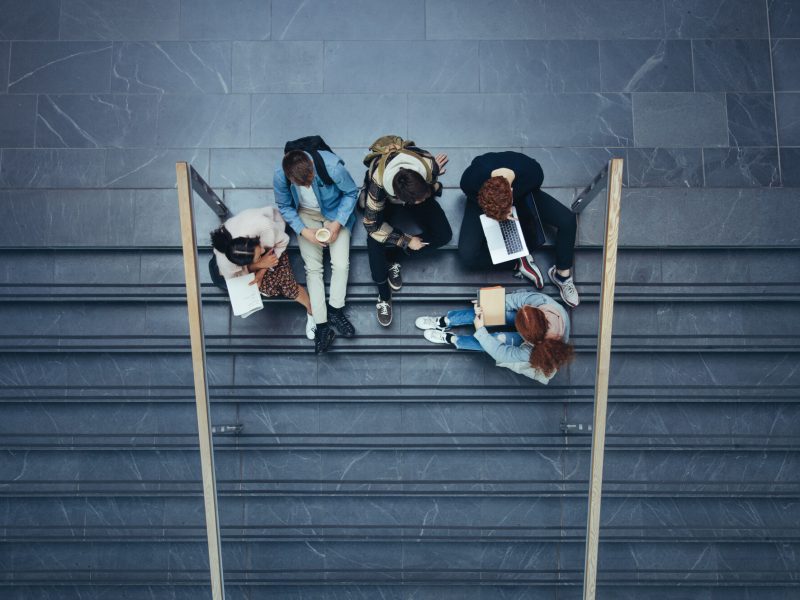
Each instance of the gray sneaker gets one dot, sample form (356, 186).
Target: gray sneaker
(384, 311)
(569, 293)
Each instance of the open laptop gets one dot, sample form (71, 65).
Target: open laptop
(504, 238)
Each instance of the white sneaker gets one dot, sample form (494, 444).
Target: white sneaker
(429, 323)
(437, 336)
(569, 293)
(311, 327)
(528, 269)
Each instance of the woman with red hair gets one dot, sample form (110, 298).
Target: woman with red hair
(538, 347)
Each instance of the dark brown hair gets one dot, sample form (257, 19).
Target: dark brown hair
(548, 355)
(298, 167)
(495, 198)
(411, 187)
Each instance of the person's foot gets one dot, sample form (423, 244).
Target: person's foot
(340, 322)
(437, 336)
(566, 286)
(431, 323)
(311, 327)
(323, 339)
(528, 269)
(395, 280)
(384, 311)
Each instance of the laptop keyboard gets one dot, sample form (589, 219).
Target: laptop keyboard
(511, 236)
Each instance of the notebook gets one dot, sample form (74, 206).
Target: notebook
(493, 302)
(245, 298)
(504, 238)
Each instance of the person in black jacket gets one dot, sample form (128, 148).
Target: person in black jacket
(493, 183)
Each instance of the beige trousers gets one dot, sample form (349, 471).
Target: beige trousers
(312, 257)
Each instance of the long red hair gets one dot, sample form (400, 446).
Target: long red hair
(548, 355)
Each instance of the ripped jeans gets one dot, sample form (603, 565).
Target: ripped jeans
(460, 318)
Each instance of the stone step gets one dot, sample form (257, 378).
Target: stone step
(682, 218)
(162, 327)
(315, 517)
(676, 275)
(332, 562)
(164, 377)
(304, 421)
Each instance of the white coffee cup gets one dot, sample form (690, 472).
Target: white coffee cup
(323, 234)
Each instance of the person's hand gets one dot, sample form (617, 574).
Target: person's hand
(268, 260)
(478, 322)
(310, 234)
(259, 277)
(416, 243)
(334, 227)
(442, 160)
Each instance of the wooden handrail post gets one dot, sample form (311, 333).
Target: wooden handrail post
(601, 375)
(189, 241)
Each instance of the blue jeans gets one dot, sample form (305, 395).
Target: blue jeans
(460, 318)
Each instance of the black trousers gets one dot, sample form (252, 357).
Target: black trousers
(474, 252)
(436, 231)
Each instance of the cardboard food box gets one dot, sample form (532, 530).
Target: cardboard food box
(493, 302)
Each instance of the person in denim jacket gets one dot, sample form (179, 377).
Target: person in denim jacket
(308, 204)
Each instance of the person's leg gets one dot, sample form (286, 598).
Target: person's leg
(555, 214)
(460, 318)
(340, 267)
(312, 260)
(303, 298)
(473, 251)
(379, 268)
(467, 342)
(432, 220)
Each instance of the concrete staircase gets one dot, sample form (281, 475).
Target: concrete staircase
(390, 468)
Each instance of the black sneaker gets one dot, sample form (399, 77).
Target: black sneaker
(323, 338)
(384, 310)
(340, 322)
(395, 280)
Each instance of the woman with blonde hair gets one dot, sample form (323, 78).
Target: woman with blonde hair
(537, 348)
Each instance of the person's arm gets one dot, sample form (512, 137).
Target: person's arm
(283, 199)
(518, 299)
(529, 174)
(280, 237)
(342, 179)
(377, 229)
(472, 180)
(500, 352)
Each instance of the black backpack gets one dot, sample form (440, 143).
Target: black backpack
(312, 144)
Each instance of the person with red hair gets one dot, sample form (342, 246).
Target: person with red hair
(537, 348)
(494, 183)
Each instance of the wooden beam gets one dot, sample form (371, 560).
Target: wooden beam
(189, 241)
(601, 375)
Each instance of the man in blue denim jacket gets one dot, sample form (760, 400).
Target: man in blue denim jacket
(322, 216)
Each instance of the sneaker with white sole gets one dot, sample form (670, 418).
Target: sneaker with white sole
(437, 336)
(311, 327)
(569, 293)
(528, 269)
(395, 279)
(431, 323)
(384, 312)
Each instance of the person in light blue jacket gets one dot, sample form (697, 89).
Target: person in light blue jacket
(322, 215)
(537, 348)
